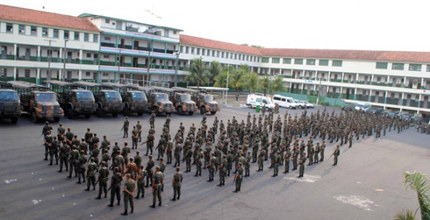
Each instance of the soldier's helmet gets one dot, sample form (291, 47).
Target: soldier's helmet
(104, 163)
(46, 122)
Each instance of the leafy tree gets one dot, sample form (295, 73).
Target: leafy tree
(265, 85)
(278, 84)
(418, 182)
(237, 77)
(221, 79)
(198, 73)
(214, 70)
(250, 81)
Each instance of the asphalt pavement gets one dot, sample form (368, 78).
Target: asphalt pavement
(366, 184)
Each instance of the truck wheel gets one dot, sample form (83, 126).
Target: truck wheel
(202, 110)
(88, 116)
(57, 119)
(179, 110)
(34, 118)
(213, 112)
(140, 113)
(14, 120)
(115, 115)
(191, 113)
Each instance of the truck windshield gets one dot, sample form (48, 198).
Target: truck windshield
(161, 97)
(46, 97)
(113, 96)
(8, 96)
(138, 96)
(185, 97)
(208, 98)
(84, 95)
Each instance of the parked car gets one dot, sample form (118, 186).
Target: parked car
(284, 101)
(300, 104)
(362, 107)
(308, 105)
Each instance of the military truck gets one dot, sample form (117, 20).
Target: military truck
(181, 98)
(108, 100)
(74, 100)
(158, 100)
(38, 101)
(134, 99)
(205, 102)
(10, 105)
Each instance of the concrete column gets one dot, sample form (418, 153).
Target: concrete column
(14, 73)
(81, 56)
(15, 48)
(38, 76)
(80, 75)
(370, 94)
(39, 53)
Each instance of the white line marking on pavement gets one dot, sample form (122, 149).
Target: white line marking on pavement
(35, 201)
(10, 181)
(357, 201)
(379, 190)
(305, 178)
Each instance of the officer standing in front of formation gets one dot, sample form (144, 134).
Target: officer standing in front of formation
(238, 178)
(102, 180)
(177, 184)
(124, 128)
(48, 142)
(336, 154)
(128, 190)
(156, 187)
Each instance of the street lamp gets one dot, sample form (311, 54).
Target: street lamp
(64, 59)
(176, 67)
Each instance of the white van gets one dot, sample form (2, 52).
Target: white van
(284, 101)
(258, 99)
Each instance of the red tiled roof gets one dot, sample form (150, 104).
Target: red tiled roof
(16, 14)
(394, 56)
(214, 44)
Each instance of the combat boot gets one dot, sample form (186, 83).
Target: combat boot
(132, 210)
(125, 212)
(152, 206)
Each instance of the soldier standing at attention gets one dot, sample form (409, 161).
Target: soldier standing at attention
(124, 128)
(177, 183)
(156, 187)
(276, 162)
(322, 148)
(139, 131)
(222, 172)
(238, 178)
(149, 165)
(115, 186)
(91, 175)
(60, 133)
(53, 151)
(336, 155)
(48, 144)
(134, 138)
(64, 152)
(261, 156)
(73, 162)
(152, 120)
(149, 143)
(128, 190)
(141, 174)
(103, 178)
(302, 161)
(46, 128)
(82, 160)
(247, 164)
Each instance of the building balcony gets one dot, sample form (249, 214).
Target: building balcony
(156, 53)
(7, 57)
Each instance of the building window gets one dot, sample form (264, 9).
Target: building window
(336, 63)
(105, 74)
(86, 37)
(217, 53)
(9, 27)
(265, 59)
(187, 49)
(44, 32)
(106, 56)
(381, 65)
(95, 38)
(27, 73)
(56, 33)
(428, 68)
(33, 31)
(66, 34)
(87, 73)
(286, 60)
(415, 67)
(21, 29)
(298, 61)
(323, 62)
(77, 34)
(192, 50)
(398, 66)
(310, 61)
(88, 55)
(198, 51)
(107, 20)
(203, 52)
(275, 60)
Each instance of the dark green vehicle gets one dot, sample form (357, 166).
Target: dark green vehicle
(74, 100)
(10, 105)
(134, 99)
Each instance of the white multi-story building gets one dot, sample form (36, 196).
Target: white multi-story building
(37, 45)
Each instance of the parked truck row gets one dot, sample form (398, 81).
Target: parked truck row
(74, 99)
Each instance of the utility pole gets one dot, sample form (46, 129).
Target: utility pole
(49, 52)
(64, 60)
(176, 67)
(226, 86)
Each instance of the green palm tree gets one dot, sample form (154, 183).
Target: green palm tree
(198, 73)
(251, 81)
(220, 80)
(278, 84)
(214, 70)
(420, 183)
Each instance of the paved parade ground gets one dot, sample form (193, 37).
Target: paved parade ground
(367, 183)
